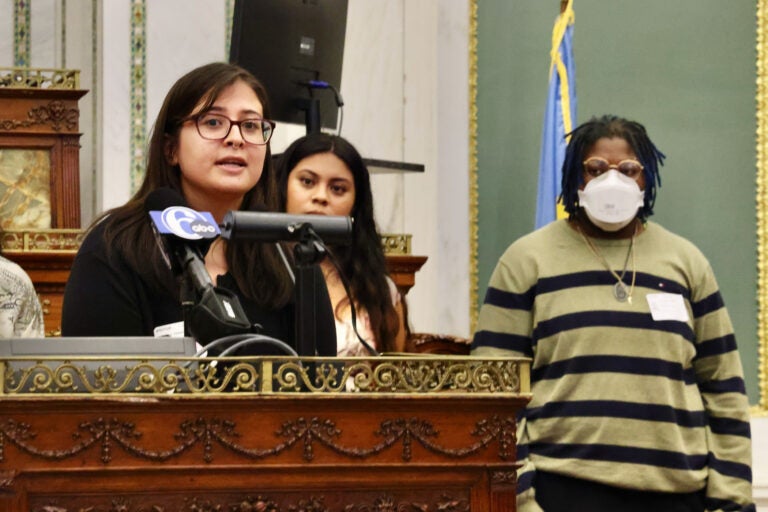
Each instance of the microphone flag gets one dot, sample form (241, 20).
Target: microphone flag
(185, 223)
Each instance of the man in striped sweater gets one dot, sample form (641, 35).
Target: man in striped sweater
(638, 392)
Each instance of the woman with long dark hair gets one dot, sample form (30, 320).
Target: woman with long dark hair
(324, 174)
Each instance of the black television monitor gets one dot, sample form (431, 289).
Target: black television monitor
(288, 43)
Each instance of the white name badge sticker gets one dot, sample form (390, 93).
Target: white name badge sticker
(174, 330)
(667, 306)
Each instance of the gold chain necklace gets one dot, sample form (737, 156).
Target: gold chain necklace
(620, 291)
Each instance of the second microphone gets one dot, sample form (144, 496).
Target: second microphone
(275, 227)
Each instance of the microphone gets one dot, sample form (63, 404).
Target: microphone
(311, 232)
(276, 227)
(172, 223)
(180, 232)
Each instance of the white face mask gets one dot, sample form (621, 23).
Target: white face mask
(611, 200)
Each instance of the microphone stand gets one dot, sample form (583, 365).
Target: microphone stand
(307, 253)
(188, 300)
(211, 313)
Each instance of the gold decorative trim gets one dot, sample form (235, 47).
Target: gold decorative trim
(185, 376)
(473, 193)
(41, 240)
(39, 78)
(762, 205)
(396, 243)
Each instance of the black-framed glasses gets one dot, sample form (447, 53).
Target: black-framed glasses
(595, 166)
(213, 126)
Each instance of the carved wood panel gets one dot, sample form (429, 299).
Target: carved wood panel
(310, 453)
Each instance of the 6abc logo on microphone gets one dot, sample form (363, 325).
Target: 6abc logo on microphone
(185, 223)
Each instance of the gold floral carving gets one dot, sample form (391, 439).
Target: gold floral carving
(396, 243)
(39, 78)
(42, 240)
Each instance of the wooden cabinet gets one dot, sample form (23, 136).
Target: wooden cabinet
(39, 149)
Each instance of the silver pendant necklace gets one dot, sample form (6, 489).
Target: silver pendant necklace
(620, 291)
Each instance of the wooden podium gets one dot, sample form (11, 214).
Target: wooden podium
(416, 434)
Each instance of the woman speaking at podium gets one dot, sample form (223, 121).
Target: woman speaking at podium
(209, 144)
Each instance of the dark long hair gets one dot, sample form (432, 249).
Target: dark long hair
(610, 126)
(362, 262)
(127, 231)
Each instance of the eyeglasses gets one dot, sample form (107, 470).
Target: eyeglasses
(595, 166)
(217, 127)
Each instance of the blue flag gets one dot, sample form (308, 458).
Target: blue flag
(559, 118)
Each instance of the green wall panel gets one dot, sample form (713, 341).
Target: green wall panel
(685, 69)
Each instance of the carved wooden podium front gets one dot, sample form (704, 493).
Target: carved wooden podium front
(416, 434)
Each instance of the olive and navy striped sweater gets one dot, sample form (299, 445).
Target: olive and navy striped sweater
(620, 397)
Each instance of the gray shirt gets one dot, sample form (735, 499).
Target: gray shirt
(20, 312)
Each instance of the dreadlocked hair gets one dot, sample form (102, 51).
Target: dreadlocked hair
(609, 126)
